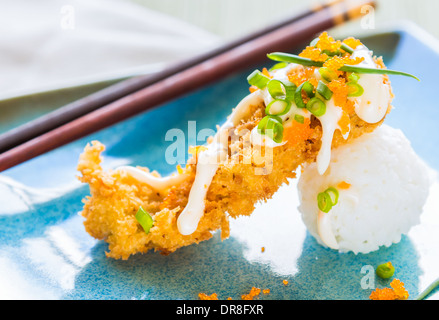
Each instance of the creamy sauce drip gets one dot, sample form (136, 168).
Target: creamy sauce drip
(157, 183)
(324, 228)
(329, 122)
(372, 105)
(207, 165)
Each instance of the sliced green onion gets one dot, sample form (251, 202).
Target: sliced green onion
(353, 77)
(354, 89)
(272, 127)
(324, 202)
(333, 193)
(299, 118)
(276, 89)
(258, 79)
(309, 90)
(316, 106)
(346, 48)
(328, 74)
(385, 270)
(279, 90)
(290, 90)
(279, 65)
(263, 123)
(278, 107)
(323, 90)
(287, 57)
(144, 219)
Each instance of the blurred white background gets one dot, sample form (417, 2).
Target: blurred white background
(49, 44)
(231, 18)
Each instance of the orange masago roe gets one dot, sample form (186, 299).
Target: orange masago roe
(396, 292)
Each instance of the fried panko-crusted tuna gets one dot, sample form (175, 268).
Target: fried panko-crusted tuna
(237, 185)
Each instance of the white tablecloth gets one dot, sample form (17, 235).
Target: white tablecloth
(46, 44)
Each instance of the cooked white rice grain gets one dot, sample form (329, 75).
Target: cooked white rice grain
(389, 185)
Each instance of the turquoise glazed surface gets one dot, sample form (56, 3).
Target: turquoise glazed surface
(46, 254)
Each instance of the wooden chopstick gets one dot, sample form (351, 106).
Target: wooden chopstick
(80, 107)
(195, 77)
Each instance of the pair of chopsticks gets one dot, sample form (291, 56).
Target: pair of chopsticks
(133, 96)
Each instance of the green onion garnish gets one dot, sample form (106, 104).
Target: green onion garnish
(278, 107)
(299, 118)
(328, 74)
(385, 270)
(258, 79)
(290, 90)
(333, 193)
(292, 58)
(316, 106)
(144, 219)
(354, 89)
(346, 48)
(308, 88)
(324, 202)
(279, 65)
(323, 90)
(276, 89)
(279, 90)
(327, 199)
(263, 123)
(272, 127)
(353, 77)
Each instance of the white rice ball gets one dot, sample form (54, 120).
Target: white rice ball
(389, 185)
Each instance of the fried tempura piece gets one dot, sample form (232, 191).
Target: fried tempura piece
(247, 176)
(234, 191)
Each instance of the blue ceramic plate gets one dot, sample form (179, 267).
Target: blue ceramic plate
(46, 254)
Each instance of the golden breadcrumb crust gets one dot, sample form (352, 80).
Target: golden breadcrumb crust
(110, 210)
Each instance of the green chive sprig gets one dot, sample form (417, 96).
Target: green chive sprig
(428, 290)
(292, 58)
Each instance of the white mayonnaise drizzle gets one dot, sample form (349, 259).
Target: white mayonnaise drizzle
(324, 228)
(372, 105)
(207, 165)
(157, 183)
(329, 122)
